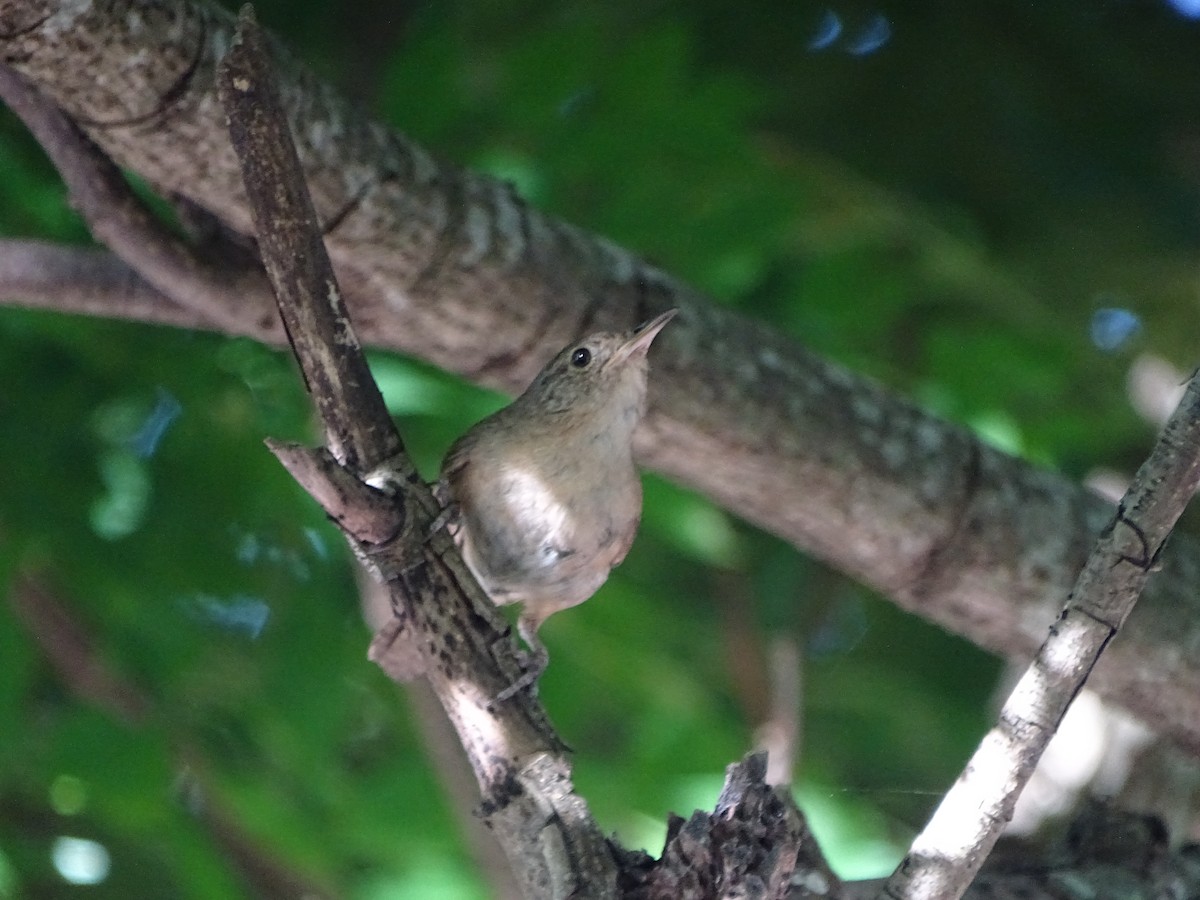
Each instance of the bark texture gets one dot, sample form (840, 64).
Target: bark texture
(455, 268)
(948, 853)
(442, 623)
(754, 844)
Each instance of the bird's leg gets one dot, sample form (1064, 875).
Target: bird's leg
(535, 661)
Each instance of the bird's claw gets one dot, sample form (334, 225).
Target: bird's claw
(534, 662)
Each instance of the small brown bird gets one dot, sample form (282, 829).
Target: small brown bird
(544, 496)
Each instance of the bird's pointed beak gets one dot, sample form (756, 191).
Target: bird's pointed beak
(641, 337)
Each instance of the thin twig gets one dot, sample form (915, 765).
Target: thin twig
(781, 733)
(86, 281)
(358, 430)
(946, 856)
(69, 648)
(445, 756)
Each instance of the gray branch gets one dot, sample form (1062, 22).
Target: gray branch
(453, 267)
(948, 853)
(443, 625)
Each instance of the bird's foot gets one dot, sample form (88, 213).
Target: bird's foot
(451, 513)
(534, 663)
(444, 518)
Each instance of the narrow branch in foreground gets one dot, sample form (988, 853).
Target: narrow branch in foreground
(443, 625)
(946, 856)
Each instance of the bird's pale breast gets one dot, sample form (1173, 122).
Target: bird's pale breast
(548, 535)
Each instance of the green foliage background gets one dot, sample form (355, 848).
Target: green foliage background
(947, 212)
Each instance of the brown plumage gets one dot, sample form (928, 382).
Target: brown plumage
(545, 496)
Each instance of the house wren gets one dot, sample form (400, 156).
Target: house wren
(543, 495)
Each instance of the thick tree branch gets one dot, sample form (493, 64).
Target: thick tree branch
(454, 268)
(442, 620)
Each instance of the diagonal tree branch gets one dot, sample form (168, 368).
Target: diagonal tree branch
(949, 852)
(66, 643)
(442, 622)
(984, 544)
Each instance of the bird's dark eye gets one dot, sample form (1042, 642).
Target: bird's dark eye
(581, 357)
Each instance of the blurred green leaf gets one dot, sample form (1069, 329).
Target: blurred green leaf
(950, 236)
